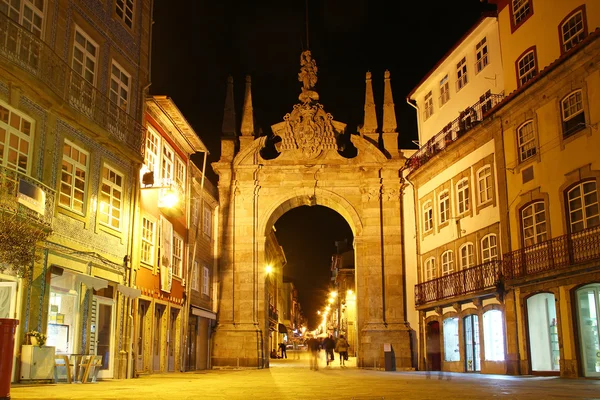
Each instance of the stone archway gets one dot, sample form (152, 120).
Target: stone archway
(309, 170)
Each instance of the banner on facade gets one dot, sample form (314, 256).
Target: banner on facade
(166, 243)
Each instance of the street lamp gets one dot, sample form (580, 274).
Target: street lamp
(268, 269)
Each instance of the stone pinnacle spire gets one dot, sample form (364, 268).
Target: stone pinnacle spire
(228, 128)
(370, 122)
(389, 114)
(248, 112)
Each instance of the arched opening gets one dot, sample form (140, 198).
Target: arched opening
(434, 356)
(542, 327)
(471, 340)
(588, 306)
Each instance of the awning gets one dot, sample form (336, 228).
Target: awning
(203, 313)
(282, 329)
(130, 292)
(91, 281)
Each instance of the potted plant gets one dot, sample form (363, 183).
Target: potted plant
(36, 338)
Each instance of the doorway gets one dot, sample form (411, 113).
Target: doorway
(434, 356)
(543, 334)
(192, 338)
(143, 337)
(472, 349)
(587, 317)
(172, 339)
(159, 311)
(103, 320)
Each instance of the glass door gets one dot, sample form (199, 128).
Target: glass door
(104, 319)
(587, 307)
(471, 333)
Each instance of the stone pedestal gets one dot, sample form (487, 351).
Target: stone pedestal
(372, 340)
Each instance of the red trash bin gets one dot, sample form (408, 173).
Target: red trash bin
(8, 327)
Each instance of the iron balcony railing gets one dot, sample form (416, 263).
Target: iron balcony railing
(466, 121)
(468, 280)
(553, 254)
(273, 314)
(22, 48)
(22, 195)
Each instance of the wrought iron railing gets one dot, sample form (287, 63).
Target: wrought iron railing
(466, 121)
(22, 48)
(273, 314)
(469, 280)
(22, 195)
(553, 254)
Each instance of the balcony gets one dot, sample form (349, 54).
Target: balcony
(20, 47)
(273, 315)
(25, 196)
(470, 280)
(467, 120)
(554, 254)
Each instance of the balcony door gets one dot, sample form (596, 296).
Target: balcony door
(472, 347)
(589, 344)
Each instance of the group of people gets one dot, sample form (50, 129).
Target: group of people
(329, 345)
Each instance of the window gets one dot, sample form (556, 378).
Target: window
(526, 67)
(447, 262)
(430, 269)
(484, 184)
(84, 63)
(583, 206)
(427, 217)
(444, 91)
(111, 198)
(520, 9)
(177, 256)
(493, 335)
(467, 256)
(573, 30)
(16, 140)
(119, 86)
(148, 237)
(124, 11)
(205, 281)
(28, 13)
(195, 278)
(526, 141)
(481, 55)
(152, 153)
(180, 174)
(207, 225)
(75, 167)
(461, 74)
(534, 223)
(428, 101)
(168, 159)
(451, 349)
(462, 196)
(573, 116)
(444, 202)
(489, 250)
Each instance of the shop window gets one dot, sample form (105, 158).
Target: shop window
(587, 312)
(543, 332)
(63, 313)
(493, 335)
(451, 343)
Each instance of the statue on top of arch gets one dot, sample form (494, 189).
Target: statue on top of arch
(308, 77)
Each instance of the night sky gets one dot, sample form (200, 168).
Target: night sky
(198, 43)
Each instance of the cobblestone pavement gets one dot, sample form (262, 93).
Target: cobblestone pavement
(292, 379)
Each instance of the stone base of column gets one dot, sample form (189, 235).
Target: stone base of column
(374, 337)
(239, 346)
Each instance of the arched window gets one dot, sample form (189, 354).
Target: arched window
(462, 196)
(430, 269)
(493, 335)
(533, 220)
(573, 29)
(444, 204)
(573, 116)
(582, 204)
(526, 140)
(467, 255)
(489, 249)
(527, 67)
(447, 262)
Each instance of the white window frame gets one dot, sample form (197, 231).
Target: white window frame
(444, 206)
(428, 105)
(167, 164)
(462, 196)
(527, 68)
(79, 172)
(86, 54)
(118, 86)
(534, 224)
(444, 91)
(520, 10)
(113, 187)
(177, 255)
(207, 215)
(484, 184)
(526, 140)
(23, 134)
(205, 281)
(148, 236)
(125, 11)
(196, 277)
(447, 262)
(489, 248)
(153, 150)
(572, 31)
(481, 55)
(427, 216)
(572, 105)
(467, 255)
(180, 173)
(20, 17)
(461, 74)
(582, 209)
(429, 269)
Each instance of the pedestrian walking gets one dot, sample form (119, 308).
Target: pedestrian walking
(329, 346)
(296, 349)
(341, 347)
(313, 347)
(283, 350)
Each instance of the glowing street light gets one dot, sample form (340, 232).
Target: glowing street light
(333, 294)
(268, 269)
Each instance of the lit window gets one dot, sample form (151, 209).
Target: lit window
(152, 153)
(111, 198)
(430, 269)
(526, 138)
(427, 217)
(484, 183)
(148, 235)
(489, 249)
(451, 342)
(119, 86)
(527, 68)
(462, 196)
(207, 226)
(195, 280)
(28, 13)
(428, 102)
(447, 262)
(84, 63)
(177, 256)
(16, 140)
(520, 10)
(534, 223)
(444, 202)
(583, 206)
(573, 117)
(573, 31)
(168, 159)
(73, 177)
(493, 335)
(180, 174)
(444, 91)
(461, 74)
(205, 280)
(467, 256)
(124, 11)
(481, 55)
